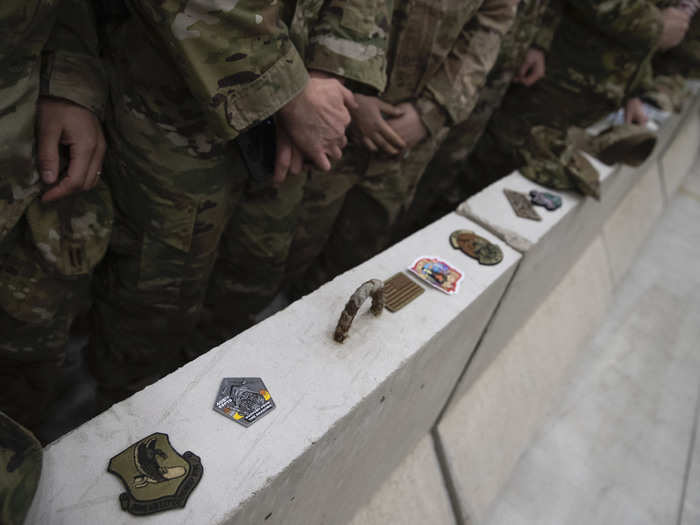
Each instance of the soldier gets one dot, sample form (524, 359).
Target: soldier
(54, 220)
(188, 78)
(521, 60)
(439, 57)
(598, 61)
(20, 468)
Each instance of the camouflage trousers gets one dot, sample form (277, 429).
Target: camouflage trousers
(195, 245)
(507, 140)
(20, 468)
(349, 215)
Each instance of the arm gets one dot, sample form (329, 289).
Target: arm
(451, 93)
(632, 23)
(350, 41)
(237, 61)
(73, 94)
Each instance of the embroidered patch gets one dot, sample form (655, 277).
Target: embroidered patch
(243, 399)
(400, 290)
(521, 205)
(476, 247)
(542, 198)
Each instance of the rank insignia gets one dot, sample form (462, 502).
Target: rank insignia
(541, 198)
(521, 205)
(476, 247)
(156, 477)
(437, 273)
(243, 399)
(399, 291)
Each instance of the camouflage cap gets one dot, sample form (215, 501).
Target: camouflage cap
(553, 161)
(629, 144)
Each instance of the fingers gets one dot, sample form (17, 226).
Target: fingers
(49, 137)
(390, 135)
(297, 164)
(283, 156)
(335, 153)
(369, 144)
(95, 168)
(81, 153)
(379, 140)
(318, 157)
(523, 72)
(389, 110)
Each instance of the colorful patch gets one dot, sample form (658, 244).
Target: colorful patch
(399, 291)
(521, 205)
(476, 247)
(542, 198)
(437, 273)
(156, 477)
(243, 399)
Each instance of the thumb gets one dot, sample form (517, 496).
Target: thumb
(349, 98)
(390, 110)
(49, 137)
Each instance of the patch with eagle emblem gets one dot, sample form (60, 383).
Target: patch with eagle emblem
(156, 477)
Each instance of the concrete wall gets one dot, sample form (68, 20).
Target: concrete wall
(420, 415)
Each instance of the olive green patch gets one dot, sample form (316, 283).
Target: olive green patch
(156, 477)
(400, 290)
(476, 247)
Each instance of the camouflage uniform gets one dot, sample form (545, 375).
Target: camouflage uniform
(47, 251)
(599, 57)
(20, 468)
(439, 187)
(188, 77)
(440, 53)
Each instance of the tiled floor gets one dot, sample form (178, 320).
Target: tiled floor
(622, 448)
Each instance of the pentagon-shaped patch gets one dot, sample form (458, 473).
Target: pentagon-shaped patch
(156, 477)
(243, 399)
(400, 290)
(548, 200)
(521, 205)
(476, 247)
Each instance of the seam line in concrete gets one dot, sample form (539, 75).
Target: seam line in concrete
(689, 460)
(447, 477)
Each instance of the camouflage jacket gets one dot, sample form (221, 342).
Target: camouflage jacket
(245, 59)
(604, 47)
(440, 52)
(68, 68)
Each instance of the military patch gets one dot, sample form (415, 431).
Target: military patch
(437, 273)
(476, 247)
(156, 477)
(243, 399)
(400, 290)
(542, 198)
(521, 205)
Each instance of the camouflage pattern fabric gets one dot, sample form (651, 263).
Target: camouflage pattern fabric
(47, 251)
(440, 56)
(186, 78)
(438, 193)
(20, 468)
(599, 57)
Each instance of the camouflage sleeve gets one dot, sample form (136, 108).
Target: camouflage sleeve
(70, 64)
(350, 40)
(632, 23)
(452, 92)
(643, 82)
(235, 56)
(548, 24)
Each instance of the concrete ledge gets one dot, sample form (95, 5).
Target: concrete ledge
(482, 365)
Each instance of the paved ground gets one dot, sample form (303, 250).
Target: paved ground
(623, 447)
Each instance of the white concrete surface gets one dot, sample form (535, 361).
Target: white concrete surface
(414, 494)
(485, 431)
(628, 227)
(616, 449)
(346, 414)
(682, 151)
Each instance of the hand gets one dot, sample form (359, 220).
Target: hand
(676, 24)
(62, 122)
(532, 68)
(289, 158)
(409, 125)
(369, 127)
(634, 112)
(315, 120)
